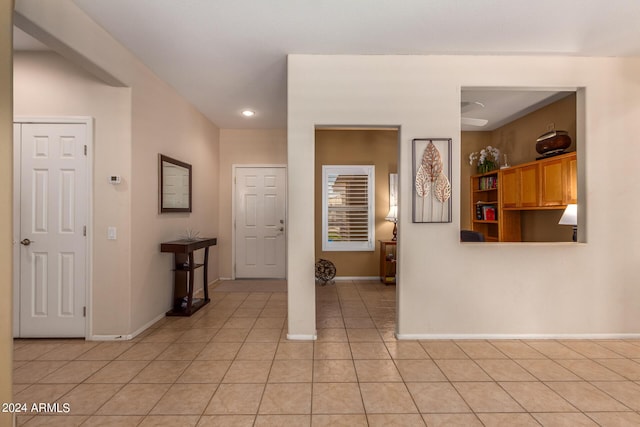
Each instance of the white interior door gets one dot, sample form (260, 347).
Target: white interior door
(53, 218)
(260, 226)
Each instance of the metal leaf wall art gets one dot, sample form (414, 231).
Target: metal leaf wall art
(432, 185)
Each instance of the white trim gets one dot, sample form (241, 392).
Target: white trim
(302, 337)
(16, 228)
(234, 168)
(516, 336)
(356, 278)
(109, 338)
(89, 139)
(348, 170)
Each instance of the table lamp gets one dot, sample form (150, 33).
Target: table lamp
(570, 217)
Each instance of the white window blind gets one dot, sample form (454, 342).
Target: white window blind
(348, 208)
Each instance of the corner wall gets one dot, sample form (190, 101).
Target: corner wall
(6, 206)
(159, 121)
(46, 84)
(449, 289)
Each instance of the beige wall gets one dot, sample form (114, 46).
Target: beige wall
(45, 84)
(238, 147)
(6, 203)
(357, 147)
(518, 140)
(446, 288)
(157, 121)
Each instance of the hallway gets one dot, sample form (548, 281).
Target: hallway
(231, 365)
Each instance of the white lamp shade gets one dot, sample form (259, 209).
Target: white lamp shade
(393, 214)
(570, 215)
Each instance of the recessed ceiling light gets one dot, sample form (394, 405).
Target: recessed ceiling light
(248, 113)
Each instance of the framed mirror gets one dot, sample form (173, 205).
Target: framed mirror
(175, 185)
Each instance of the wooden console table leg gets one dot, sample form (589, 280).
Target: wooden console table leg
(206, 268)
(191, 281)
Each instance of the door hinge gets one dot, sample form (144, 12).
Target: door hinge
(85, 150)
(84, 311)
(84, 231)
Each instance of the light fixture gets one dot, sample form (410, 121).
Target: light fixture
(248, 113)
(570, 217)
(393, 217)
(393, 204)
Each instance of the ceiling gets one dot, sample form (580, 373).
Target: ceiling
(228, 55)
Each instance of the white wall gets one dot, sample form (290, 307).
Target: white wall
(446, 288)
(157, 120)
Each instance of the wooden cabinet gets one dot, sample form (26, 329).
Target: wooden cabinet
(510, 188)
(552, 183)
(559, 183)
(529, 185)
(570, 172)
(520, 188)
(388, 258)
(544, 184)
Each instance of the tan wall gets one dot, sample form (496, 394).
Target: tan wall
(6, 203)
(518, 140)
(160, 121)
(357, 147)
(249, 147)
(45, 84)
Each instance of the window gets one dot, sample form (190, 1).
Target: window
(347, 208)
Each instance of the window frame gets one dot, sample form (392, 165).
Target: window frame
(334, 245)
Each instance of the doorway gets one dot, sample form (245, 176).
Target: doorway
(51, 219)
(259, 220)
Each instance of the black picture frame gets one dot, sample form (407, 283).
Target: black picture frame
(175, 189)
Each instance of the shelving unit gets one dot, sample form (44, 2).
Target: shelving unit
(487, 215)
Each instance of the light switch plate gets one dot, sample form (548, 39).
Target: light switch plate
(111, 233)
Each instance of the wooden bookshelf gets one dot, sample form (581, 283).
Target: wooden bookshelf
(487, 215)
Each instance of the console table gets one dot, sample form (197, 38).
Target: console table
(183, 280)
(388, 257)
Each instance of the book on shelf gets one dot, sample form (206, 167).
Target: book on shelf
(487, 182)
(486, 211)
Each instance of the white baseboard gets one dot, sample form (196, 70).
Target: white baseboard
(302, 337)
(515, 336)
(126, 337)
(109, 337)
(141, 329)
(355, 278)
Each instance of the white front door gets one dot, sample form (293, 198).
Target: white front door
(53, 218)
(260, 226)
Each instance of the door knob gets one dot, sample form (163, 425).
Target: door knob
(26, 242)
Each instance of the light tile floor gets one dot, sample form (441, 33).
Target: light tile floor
(231, 365)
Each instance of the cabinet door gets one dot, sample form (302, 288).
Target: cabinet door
(570, 167)
(508, 183)
(552, 179)
(528, 186)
